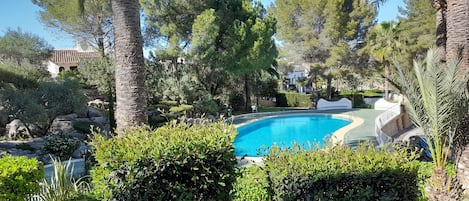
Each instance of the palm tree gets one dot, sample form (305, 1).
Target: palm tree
(130, 99)
(436, 100)
(382, 45)
(457, 30)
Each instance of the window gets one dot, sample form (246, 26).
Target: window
(73, 67)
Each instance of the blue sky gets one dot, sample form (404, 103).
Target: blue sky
(24, 14)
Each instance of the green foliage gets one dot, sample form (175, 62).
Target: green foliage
(325, 34)
(85, 126)
(19, 177)
(90, 22)
(174, 162)
(342, 173)
(266, 86)
(169, 103)
(292, 99)
(24, 146)
(39, 107)
(62, 186)
(98, 73)
(17, 46)
(252, 185)
(437, 100)
(365, 93)
(22, 77)
(61, 145)
(181, 109)
(206, 105)
(417, 27)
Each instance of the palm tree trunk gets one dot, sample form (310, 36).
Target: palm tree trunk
(440, 6)
(457, 43)
(130, 99)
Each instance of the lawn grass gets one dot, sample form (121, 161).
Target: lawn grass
(365, 93)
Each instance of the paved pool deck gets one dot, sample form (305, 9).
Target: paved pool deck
(363, 132)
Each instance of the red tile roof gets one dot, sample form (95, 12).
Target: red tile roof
(71, 57)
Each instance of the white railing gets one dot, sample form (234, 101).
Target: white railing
(384, 119)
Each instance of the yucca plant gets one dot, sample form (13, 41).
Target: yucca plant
(436, 100)
(62, 186)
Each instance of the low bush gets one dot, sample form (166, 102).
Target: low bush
(61, 145)
(19, 177)
(342, 173)
(174, 162)
(251, 185)
(292, 99)
(85, 126)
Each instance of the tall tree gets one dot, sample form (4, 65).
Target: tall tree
(17, 47)
(222, 37)
(417, 27)
(326, 32)
(383, 44)
(130, 69)
(89, 20)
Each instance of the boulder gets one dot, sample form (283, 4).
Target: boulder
(80, 152)
(93, 112)
(99, 120)
(68, 117)
(61, 127)
(98, 103)
(16, 129)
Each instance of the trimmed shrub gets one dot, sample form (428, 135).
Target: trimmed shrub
(291, 99)
(61, 145)
(342, 173)
(174, 162)
(19, 177)
(251, 185)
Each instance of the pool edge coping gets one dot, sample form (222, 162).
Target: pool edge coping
(337, 137)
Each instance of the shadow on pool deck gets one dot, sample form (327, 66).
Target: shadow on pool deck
(364, 132)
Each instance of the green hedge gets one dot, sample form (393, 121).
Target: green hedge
(174, 162)
(19, 177)
(251, 185)
(342, 173)
(291, 99)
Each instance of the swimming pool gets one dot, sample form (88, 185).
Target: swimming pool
(283, 131)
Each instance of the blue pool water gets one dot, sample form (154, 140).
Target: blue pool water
(283, 131)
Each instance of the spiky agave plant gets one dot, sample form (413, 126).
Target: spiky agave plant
(436, 100)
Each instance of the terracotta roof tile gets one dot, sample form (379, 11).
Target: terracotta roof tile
(71, 57)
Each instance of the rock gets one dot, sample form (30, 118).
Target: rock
(61, 127)
(82, 149)
(68, 117)
(99, 120)
(93, 112)
(98, 103)
(77, 135)
(37, 143)
(16, 129)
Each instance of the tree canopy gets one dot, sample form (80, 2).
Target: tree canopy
(92, 22)
(17, 47)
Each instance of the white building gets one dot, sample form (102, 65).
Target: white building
(300, 70)
(68, 59)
